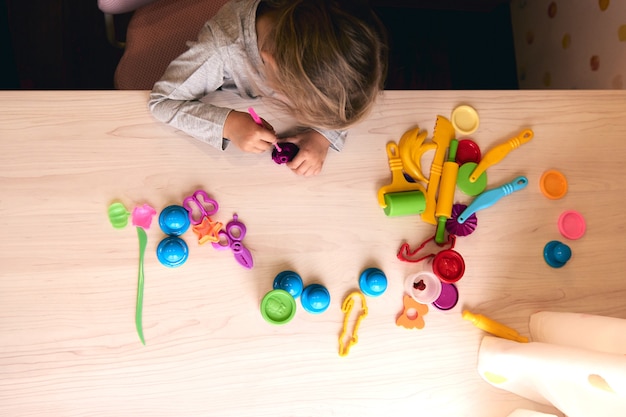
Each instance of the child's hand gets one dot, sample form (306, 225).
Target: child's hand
(248, 136)
(313, 150)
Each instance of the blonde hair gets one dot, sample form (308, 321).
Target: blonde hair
(330, 59)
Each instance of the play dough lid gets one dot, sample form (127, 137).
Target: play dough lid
(278, 307)
(553, 184)
(465, 119)
(572, 224)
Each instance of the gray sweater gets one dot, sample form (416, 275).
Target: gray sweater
(225, 56)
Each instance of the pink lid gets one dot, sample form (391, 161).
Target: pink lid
(572, 224)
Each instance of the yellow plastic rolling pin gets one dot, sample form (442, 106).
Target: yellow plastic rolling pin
(445, 199)
(442, 135)
(498, 153)
(493, 327)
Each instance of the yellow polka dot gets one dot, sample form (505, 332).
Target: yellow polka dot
(621, 33)
(547, 79)
(494, 378)
(604, 4)
(567, 40)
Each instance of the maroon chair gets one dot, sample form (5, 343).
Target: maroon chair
(157, 33)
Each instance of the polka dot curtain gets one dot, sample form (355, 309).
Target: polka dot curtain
(570, 44)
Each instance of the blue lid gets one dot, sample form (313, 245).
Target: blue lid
(373, 282)
(315, 299)
(290, 282)
(172, 251)
(556, 254)
(174, 220)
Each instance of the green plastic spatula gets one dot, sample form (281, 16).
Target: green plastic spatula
(143, 240)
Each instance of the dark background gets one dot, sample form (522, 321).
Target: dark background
(438, 44)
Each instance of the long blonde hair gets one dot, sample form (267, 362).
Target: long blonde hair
(330, 59)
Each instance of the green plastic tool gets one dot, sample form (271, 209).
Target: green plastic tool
(143, 240)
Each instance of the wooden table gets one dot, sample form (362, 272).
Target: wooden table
(68, 345)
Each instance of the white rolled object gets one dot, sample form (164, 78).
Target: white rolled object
(578, 382)
(604, 334)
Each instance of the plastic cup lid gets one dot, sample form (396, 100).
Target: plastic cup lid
(290, 282)
(449, 266)
(448, 298)
(572, 224)
(278, 307)
(467, 151)
(553, 184)
(373, 282)
(315, 299)
(174, 220)
(465, 119)
(172, 251)
(424, 287)
(464, 183)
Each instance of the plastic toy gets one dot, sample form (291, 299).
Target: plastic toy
(465, 119)
(448, 298)
(143, 240)
(445, 199)
(553, 184)
(412, 317)
(442, 135)
(199, 206)
(373, 282)
(142, 216)
(465, 185)
(172, 251)
(231, 238)
(290, 282)
(572, 224)
(315, 299)
(118, 215)
(493, 327)
(490, 197)
(401, 197)
(449, 266)
(556, 254)
(461, 229)
(278, 307)
(173, 220)
(412, 148)
(498, 153)
(406, 254)
(287, 152)
(348, 304)
(467, 151)
(259, 121)
(424, 287)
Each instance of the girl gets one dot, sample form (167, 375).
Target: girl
(323, 61)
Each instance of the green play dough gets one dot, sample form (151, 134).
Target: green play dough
(464, 183)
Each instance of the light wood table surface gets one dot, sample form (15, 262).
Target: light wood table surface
(68, 279)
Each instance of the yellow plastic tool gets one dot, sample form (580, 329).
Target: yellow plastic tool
(398, 183)
(348, 304)
(442, 135)
(498, 153)
(412, 148)
(445, 199)
(493, 327)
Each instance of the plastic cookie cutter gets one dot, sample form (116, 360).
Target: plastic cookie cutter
(200, 207)
(412, 317)
(231, 238)
(346, 341)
